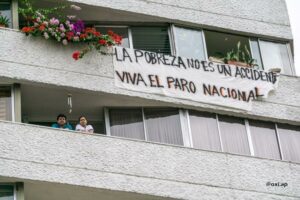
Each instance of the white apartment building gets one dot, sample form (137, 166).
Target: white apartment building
(170, 142)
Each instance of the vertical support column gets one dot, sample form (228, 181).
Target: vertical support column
(15, 14)
(20, 195)
(17, 102)
(185, 128)
(107, 124)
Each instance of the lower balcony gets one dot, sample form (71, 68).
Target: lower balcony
(64, 162)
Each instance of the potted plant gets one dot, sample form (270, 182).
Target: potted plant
(4, 21)
(240, 57)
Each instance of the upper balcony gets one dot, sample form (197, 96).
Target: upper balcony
(37, 61)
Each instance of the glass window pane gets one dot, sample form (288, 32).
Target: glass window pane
(218, 44)
(122, 31)
(163, 125)
(189, 43)
(264, 139)
(289, 137)
(234, 135)
(275, 55)
(5, 10)
(5, 103)
(6, 192)
(127, 123)
(256, 53)
(204, 130)
(155, 39)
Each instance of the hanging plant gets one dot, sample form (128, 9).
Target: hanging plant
(65, 30)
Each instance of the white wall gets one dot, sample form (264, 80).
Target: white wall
(267, 18)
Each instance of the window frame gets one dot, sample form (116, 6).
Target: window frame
(14, 190)
(185, 125)
(289, 52)
(12, 100)
(173, 40)
(185, 137)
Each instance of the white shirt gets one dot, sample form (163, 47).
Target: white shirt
(88, 128)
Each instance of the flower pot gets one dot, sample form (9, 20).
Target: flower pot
(216, 60)
(2, 25)
(237, 63)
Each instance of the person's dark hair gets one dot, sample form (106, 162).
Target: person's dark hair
(81, 117)
(61, 115)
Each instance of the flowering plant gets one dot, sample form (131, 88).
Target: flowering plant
(65, 30)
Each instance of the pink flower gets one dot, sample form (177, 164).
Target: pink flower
(62, 28)
(71, 27)
(76, 38)
(54, 21)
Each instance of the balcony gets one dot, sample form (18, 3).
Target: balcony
(34, 154)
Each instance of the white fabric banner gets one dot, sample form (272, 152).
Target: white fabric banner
(192, 79)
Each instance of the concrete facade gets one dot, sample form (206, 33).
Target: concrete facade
(44, 158)
(268, 18)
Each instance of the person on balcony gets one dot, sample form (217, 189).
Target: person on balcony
(62, 122)
(83, 126)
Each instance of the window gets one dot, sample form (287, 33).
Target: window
(289, 137)
(234, 135)
(218, 44)
(155, 39)
(189, 43)
(264, 139)
(276, 55)
(5, 103)
(256, 52)
(127, 123)
(5, 10)
(204, 130)
(122, 31)
(163, 125)
(6, 192)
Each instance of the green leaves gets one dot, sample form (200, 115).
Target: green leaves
(4, 20)
(240, 55)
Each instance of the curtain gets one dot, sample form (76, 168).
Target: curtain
(155, 39)
(6, 192)
(264, 139)
(127, 123)
(163, 125)
(289, 137)
(204, 129)
(234, 135)
(5, 103)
